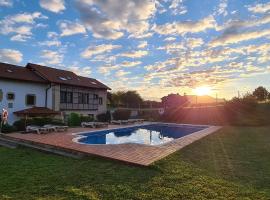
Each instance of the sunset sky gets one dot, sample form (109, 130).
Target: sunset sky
(154, 47)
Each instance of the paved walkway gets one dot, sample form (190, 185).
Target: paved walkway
(131, 153)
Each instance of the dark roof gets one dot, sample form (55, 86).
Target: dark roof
(15, 72)
(59, 76)
(36, 111)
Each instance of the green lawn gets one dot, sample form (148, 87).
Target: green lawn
(233, 163)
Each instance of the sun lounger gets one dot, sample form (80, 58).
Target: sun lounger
(100, 124)
(120, 122)
(117, 122)
(88, 124)
(55, 128)
(94, 124)
(36, 129)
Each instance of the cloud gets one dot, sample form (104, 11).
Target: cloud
(222, 8)
(121, 73)
(260, 8)
(142, 44)
(134, 54)
(11, 55)
(106, 19)
(99, 49)
(82, 71)
(194, 42)
(130, 64)
(55, 6)
(71, 28)
(186, 26)
(50, 43)
(169, 39)
(177, 7)
(20, 25)
(52, 57)
(233, 38)
(237, 25)
(6, 3)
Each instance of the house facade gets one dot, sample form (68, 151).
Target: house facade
(45, 87)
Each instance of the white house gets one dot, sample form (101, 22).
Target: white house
(35, 88)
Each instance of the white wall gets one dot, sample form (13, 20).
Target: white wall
(102, 108)
(21, 89)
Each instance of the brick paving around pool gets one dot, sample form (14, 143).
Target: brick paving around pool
(138, 154)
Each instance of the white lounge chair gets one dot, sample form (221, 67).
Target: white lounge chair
(117, 122)
(94, 124)
(88, 124)
(100, 124)
(36, 129)
(55, 128)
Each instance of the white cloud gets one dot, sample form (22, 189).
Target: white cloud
(169, 39)
(71, 28)
(55, 6)
(177, 7)
(121, 73)
(11, 55)
(222, 8)
(186, 26)
(110, 18)
(82, 71)
(52, 57)
(20, 25)
(6, 3)
(50, 43)
(194, 42)
(260, 8)
(134, 54)
(130, 64)
(99, 49)
(233, 38)
(142, 44)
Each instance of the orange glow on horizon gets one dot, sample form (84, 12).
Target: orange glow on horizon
(203, 90)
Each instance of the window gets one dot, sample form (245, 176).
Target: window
(83, 98)
(95, 96)
(100, 101)
(10, 96)
(30, 100)
(69, 97)
(66, 97)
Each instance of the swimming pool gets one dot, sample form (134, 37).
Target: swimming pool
(151, 134)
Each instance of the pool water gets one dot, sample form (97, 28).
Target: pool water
(154, 134)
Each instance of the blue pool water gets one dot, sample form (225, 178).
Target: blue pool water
(153, 134)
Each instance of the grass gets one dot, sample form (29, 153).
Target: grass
(233, 163)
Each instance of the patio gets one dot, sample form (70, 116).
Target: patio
(137, 154)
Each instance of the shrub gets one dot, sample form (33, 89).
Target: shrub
(6, 128)
(104, 117)
(39, 121)
(121, 114)
(20, 125)
(86, 119)
(74, 119)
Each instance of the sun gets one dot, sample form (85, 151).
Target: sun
(202, 90)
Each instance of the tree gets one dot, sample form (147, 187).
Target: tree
(131, 99)
(260, 93)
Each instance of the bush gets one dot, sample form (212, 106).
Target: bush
(121, 114)
(86, 119)
(104, 117)
(39, 121)
(74, 119)
(6, 128)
